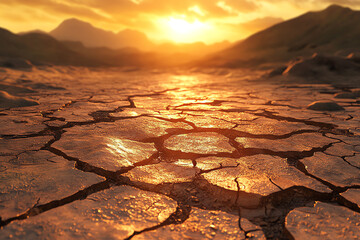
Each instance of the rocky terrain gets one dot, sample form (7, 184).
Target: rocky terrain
(210, 154)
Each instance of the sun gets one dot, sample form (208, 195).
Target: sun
(182, 26)
(181, 30)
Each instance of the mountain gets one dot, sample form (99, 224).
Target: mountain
(76, 30)
(256, 25)
(130, 57)
(39, 48)
(334, 30)
(32, 31)
(17, 50)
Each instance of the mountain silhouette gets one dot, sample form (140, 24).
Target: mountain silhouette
(76, 30)
(23, 51)
(32, 31)
(39, 48)
(335, 30)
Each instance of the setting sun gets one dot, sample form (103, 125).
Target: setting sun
(180, 30)
(182, 26)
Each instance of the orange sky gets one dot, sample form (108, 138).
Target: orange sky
(177, 20)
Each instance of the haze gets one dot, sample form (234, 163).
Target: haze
(178, 21)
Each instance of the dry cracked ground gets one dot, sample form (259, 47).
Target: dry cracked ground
(110, 154)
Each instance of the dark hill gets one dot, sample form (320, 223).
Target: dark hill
(39, 48)
(333, 30)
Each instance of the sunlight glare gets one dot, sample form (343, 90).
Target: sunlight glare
(184, 27)
(181, 30)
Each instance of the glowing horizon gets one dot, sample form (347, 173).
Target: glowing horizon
(182, 31)
(186, 21)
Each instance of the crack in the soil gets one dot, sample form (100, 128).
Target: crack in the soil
(247, 233)
(180, 215)
(215, 103)
(344, 158)
(86, 167)
(284, 201)
(321, 125)
(281, 189)
(213, 197)
(132, 103)
(37, 209)
(272, 103)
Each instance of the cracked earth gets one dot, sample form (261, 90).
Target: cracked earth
(151, 155)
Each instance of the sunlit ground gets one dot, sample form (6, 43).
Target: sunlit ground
(117, 151)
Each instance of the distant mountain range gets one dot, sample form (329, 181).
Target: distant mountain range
(42, 48)
(335, 30)
(75, 42)
(79, 31)
(39, 48)
(76, 30)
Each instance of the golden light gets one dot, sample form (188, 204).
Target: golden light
(181, 26)
(181, 30)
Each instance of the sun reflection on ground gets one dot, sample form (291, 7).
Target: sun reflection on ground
(185, 80)
(120, 147)
(181, 82)
(129, 152)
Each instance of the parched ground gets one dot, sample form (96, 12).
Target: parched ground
(110, 154)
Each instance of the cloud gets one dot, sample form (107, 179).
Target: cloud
(131, 10)
(117, 14)
(136, 7)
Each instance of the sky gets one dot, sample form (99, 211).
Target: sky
(208, 21)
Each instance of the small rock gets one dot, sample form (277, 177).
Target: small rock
(9, 101)
(346, 95)
(325, 106)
